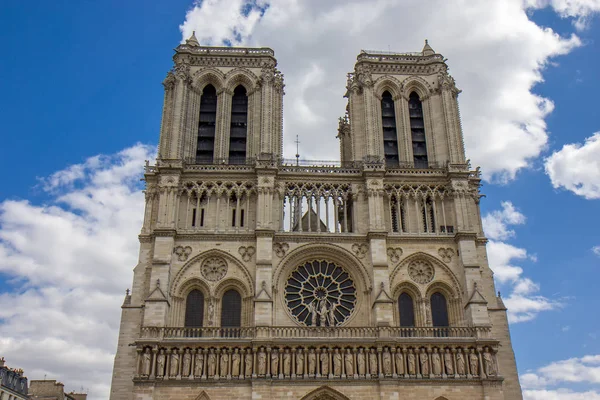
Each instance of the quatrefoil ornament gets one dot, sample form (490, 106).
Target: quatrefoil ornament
(246, 252)
(182, 252)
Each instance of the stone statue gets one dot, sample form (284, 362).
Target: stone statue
(187, 362)
(211, 312)
(300, 362)
(387, 362)
(436, 362)
(160, 363)
(199, 366)
(224, 363)
(174, 363)
(337, 363)
(248, 363)
(331, 317)
(146, 358)
(423, 359)
(448, 362)
(360, 361)
(262, 362)
(412, 370)
(488, 361)
(349, 362)
(312, 362)
(287, 362)
(474, 363)
(324, 357)
(312, 310)
(235, 363)
(373, 362)
(460, 363)
(212, 363)
(399, 362)
(274, 362)
(323, 312)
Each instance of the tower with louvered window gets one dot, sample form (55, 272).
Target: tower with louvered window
(263, 279)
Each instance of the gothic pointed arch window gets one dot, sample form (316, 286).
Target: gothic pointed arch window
(428, 215)
(397, 214)
(406, 310)
(205, 149)
(194, 309)
(390, 136)
(231, 309)
(417, 130)
(239, 126)
(439, 313)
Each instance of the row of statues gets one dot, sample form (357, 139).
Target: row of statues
(273, 362)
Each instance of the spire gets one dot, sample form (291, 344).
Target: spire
(192, 41)
(427, 50)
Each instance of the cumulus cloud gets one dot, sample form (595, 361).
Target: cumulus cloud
(69, 262)
(523, 303)
(496, 53)
(576, 167)
(579, 10)
(596, 250)
(545, 382)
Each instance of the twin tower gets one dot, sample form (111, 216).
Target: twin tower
(262, 280)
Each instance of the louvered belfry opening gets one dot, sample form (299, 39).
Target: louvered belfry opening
(239, 126)
(205, 150)
(194, 309)
(417, 129)
(231, 309)
(390, 136)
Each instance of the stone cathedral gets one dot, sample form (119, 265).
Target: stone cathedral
(262, 278)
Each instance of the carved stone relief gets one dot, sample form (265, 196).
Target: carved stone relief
(214, 268)
(360, 249)
(421, 271)
(446, 254)
(280, 249)
(394, 254)
(246, 252)
(182, 252)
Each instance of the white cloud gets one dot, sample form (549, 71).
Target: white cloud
(579, 10)
(544, 383)
(497, 54)
(523, 302)
(596, 250)
(576, 167)
(69, 262)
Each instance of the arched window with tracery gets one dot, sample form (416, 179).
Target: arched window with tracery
(194, 309)
(390, 136)
(239, 126)
(439, 313)
(428, 215)
(417, 130)
(231, 309)
(406, 310)
(205, 149)
(397, 212)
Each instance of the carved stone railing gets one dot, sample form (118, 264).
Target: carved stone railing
(298, 332)
(451, 361)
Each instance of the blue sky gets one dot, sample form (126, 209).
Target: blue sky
(82, 79)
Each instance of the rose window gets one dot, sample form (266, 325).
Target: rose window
(320, 293)
(214, 268)
(421, 271)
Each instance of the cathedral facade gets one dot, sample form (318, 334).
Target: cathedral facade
(264, 279)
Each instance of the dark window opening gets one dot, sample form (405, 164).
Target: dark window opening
(239, 126)
(428, 216)
(233, 217)
(194, 217)
(417, 129)
(231, 312)
(390, 136)
(201, 217)
(207, 126)
(439, 313)
(242, 218)
(194, 309)
(406, 310)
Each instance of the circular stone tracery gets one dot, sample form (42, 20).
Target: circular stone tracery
(421, 271)
(214, 268)
(320, 293)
